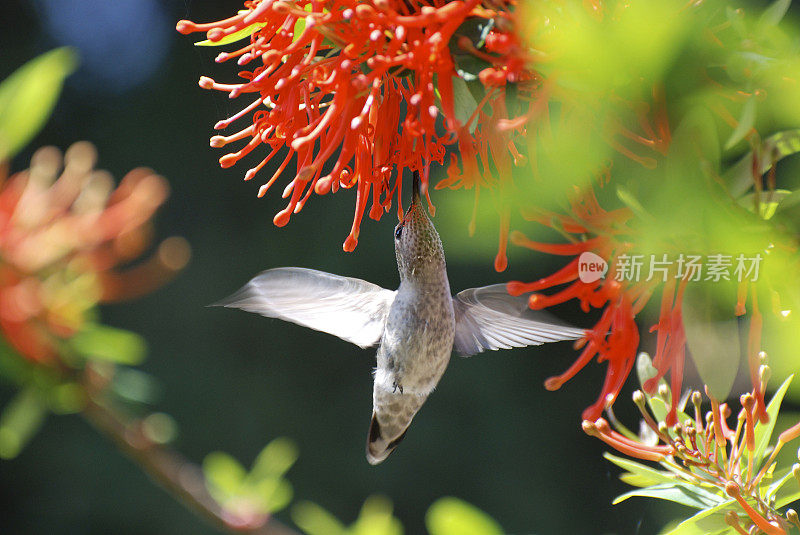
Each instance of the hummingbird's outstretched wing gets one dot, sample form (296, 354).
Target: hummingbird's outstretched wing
(352, 309)
(490, 318)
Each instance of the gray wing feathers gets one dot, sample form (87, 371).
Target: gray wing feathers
(489, 318)
(352, 309)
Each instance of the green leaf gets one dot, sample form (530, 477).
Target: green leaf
(706, 522)
(632, 202)
(20, 420)
(768, 201)
(778, 484)
(13, 366)
(314, 520)
(746, 122)
(134, 385)
(224, 475)
(683, 494)
(635, 480)
(273, 494)
(645, 369)
(739, 176)
(235, 36)
(275, 459)
(66, 398)
(763, 432)
(28, 96)
(645, 472)
(712, 338)
(786, 495)
(773, 14)
(789, 201)
(100, 342)
(451, 516)
(464, 103)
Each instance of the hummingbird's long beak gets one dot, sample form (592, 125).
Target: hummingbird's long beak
(415, 195)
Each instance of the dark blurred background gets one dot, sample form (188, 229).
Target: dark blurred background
(490, 434)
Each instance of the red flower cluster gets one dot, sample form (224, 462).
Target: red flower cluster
(369, 79)
(615, 337)
(63, 231)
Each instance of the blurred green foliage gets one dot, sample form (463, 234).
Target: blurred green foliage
(261, 490)
(375, 518)
(451, 516)
(28, 96)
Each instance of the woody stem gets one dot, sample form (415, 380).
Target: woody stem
(177, 475)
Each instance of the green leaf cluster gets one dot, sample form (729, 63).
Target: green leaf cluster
(446, 516)
(261, 490)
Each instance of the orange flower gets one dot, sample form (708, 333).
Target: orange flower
(64, 230)
(368, 80)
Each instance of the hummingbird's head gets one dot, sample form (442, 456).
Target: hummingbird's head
(416, 243)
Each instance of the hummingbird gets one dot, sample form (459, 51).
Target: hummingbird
(417, 327)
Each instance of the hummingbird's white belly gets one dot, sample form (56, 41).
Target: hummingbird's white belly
(417, 340)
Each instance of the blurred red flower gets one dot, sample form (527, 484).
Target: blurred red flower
(64, 231)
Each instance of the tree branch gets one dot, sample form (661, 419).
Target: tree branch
(176, 474)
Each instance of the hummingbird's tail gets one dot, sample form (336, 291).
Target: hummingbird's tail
(391, 417)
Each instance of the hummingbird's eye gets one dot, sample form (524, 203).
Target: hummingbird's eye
(398, 231)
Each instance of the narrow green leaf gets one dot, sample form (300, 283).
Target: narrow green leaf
(275, 459)
(314, 520)
(101, 342)
(451, 516)
(649, 474)
(763, 432)
(20, 420)
(28, 96)
(706, 522)
(746, 121)
(773, 14)
(678, 493)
